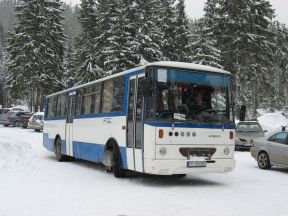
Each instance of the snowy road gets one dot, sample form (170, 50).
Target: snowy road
(32, 183)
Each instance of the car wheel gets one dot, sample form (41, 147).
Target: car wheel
(6, 125)
(58, 151)
(37, 130)
(16, 124)
(263, 160)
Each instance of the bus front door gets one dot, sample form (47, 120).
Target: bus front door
(69, 123)
(135, 125)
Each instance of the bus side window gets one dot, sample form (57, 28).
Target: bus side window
(52, 103)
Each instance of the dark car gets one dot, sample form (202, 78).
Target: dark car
(245, 132)
(12, 118)
(24, 119)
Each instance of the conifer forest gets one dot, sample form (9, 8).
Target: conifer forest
(48, 45)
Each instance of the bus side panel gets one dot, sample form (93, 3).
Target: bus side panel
(90, 136)
(51, 129)
(149, 142)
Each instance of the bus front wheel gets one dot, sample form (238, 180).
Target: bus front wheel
(117, 168)
(58, 150)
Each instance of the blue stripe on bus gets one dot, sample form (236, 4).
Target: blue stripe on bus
(48, 143)
(95, 152)
(87, 151)
(183, 125)
(99, 115)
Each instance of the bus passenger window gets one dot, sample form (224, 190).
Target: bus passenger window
(52, 103)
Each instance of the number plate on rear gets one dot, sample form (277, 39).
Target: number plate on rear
(196, 163)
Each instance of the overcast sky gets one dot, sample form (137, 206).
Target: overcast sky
(194, 8)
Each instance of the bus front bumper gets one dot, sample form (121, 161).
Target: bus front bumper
(171, 167)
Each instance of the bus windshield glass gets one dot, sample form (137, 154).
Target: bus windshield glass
(191, 96)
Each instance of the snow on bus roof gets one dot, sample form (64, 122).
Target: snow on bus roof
(171, 64)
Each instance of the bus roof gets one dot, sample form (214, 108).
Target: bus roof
(171, 64)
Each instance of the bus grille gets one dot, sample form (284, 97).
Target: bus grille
(199, 152)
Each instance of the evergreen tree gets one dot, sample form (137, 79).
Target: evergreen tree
(120, 47)
(182, 49)
(278, 95)
(36, 51)
(87, 48)
(149, 35)
(242, 33)
(167, 17)
(203, 46)
(70, 75)
(2, 69)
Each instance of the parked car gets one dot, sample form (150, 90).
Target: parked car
(271, 150)
(12, 118)
(24, 119)
(36, 122)
(246, 131)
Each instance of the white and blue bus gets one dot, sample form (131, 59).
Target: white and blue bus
(164, 118)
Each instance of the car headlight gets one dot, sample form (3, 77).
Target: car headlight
(162, 151)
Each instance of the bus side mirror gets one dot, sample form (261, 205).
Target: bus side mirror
(147, 88)
(242, 113)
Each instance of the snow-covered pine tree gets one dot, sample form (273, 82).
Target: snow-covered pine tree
(167, 24)
(204, 46)
(69, 65)
(120, 46)
(7, 14)
(2, 68)
(278, 93)
(149, 35)
(36, 51)
(89, 62)
(71, 23)
(243, 36)
(182, 49)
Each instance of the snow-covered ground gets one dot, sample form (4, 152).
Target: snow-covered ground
(32, 183)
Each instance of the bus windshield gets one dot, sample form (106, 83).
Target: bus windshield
(191, 96)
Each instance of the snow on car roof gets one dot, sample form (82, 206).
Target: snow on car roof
(171, 64)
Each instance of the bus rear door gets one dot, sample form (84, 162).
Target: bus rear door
(135, 125)
(69, 122)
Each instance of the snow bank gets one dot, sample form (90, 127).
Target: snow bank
(272, 121)
(14, 152)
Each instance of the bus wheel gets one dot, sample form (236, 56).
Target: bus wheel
(58, 151)
(117, 169)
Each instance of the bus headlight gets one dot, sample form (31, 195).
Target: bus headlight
(163, 151)
(226, 151)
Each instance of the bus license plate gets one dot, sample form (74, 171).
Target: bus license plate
(196, 163)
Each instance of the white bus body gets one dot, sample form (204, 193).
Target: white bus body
(110, 121)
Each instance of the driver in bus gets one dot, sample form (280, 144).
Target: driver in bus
(198, 104)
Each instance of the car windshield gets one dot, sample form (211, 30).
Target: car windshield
(248, 128)
(192, 96)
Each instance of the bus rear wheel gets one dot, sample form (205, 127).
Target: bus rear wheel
(117, 167)
(58, 151)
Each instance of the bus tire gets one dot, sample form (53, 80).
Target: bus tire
(117, 167)
(58, 151)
